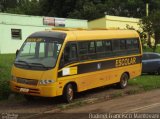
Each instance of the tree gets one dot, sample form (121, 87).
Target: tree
(151, 25)
(5, 4)
(81, 9)
(86, 10)
(26, 7)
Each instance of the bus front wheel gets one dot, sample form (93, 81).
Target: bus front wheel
(123, 81)
(68, 93)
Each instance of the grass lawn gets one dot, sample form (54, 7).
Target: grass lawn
(146, 82)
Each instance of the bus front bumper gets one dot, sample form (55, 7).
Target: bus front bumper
(39, 90)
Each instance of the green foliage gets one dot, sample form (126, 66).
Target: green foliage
(6, 62)
(148, 49)
(151, 25)
(26, 7)
(88, 11)
(84, 9)
(146, 82)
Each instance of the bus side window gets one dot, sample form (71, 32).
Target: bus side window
(132, 46)
(83, 50)
(108, 48)
(91, 47)
(91, 50)
(122, 44)
(100, 47)
(108, 45)
(136, 45)
(116, 45)
(70, 54)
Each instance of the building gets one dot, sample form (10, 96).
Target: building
(15, 28)
(114, 22)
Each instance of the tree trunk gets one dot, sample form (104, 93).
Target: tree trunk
(149, 41)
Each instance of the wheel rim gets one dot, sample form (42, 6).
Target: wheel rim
(70, 93)
(124, 81)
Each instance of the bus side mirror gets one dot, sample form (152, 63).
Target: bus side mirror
(17, 52)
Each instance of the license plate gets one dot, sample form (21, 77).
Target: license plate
(25, 90)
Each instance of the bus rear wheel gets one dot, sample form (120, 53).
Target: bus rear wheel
(68, 93)
(123, 81)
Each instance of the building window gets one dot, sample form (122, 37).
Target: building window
(16, 34)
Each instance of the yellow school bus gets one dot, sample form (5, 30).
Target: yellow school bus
(66, 61)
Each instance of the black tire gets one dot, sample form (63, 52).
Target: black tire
(123, 81)
(29, 98)
(68, 93)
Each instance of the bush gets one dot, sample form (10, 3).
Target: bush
(4, 89)
(6, 61)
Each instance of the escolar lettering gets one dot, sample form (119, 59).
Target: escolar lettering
(125, 61)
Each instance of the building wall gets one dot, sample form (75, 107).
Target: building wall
(10, 45)
(75, 23)
(114, 22)
(25, 20)
(121, 22)
(28, 25)
(98, 23)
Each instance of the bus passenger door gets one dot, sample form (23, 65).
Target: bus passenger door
(71, 70)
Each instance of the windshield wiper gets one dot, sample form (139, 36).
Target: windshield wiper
(39, 64)
(21, 61)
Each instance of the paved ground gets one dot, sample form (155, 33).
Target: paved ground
(148, 102)
(145, 102)
(41, 105)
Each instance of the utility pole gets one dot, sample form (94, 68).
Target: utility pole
(147, 14)
(147, 9)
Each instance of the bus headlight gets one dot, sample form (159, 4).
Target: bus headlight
(44, 82)
(13, 78)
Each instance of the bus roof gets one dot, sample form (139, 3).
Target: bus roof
(82, 34)
(98, 34)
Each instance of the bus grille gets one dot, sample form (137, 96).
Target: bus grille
(31, 90)
(27, 81)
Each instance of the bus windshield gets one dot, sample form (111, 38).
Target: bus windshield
(39, 52)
